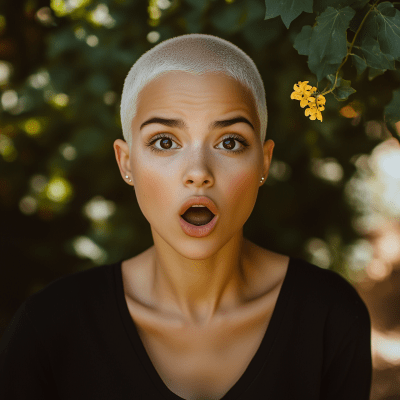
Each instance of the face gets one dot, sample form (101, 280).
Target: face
(194, 157)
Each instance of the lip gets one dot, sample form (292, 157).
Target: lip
(203, 200)
(198, 231)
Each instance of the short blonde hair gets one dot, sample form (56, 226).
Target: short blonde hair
(195, 53)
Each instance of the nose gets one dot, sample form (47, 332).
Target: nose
(198, 173)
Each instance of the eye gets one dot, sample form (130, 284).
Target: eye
(166, 139)
(231, 143)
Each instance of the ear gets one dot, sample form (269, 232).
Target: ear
(268, 149)
(121, 150)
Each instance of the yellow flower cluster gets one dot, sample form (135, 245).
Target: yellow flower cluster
(306, 94)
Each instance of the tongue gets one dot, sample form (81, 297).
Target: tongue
(198, 215)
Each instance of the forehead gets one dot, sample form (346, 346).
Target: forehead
(175, 88)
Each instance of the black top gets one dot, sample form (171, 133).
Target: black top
(76, 340)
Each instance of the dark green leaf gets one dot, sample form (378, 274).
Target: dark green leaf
(357, 19)
(287, 9)
(331, 79)
(373, 73)
(386, 9)
(388, 20)
(344, 91)
(374, 56)
(370, 28)
(321, 5)
(359, 63)
(302, 41)
(328, 39)
(321, 68)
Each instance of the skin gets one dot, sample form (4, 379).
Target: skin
(195, 279)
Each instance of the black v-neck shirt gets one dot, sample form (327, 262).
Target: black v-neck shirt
(75, 340)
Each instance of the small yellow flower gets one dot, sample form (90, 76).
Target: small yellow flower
(307, 96)
(296, 96)
(302, 92)
(313, 112)
(321, 100)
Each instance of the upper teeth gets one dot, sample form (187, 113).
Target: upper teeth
(198, 205)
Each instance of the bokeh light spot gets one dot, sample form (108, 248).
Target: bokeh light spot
(58, 189)
(319, 252)
(9, 99)
(378, 270)
(60, 100)
(44, 16)
(348, 112)
(153, 36)
(328, 169)
(7, 149)
(28, 205)
(92, 40)
(80, 33)
(110, 97)
(40, 79)
(68, 151)
(87, 248)
(280, 170)
(101, 17)
(32, 127)
(99, 209)
(5, 72)
(163, 4)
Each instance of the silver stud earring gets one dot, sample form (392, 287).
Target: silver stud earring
(262, 180)
(126, 176)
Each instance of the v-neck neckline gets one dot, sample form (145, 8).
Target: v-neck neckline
(256, 363)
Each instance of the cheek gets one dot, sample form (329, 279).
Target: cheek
(242, 188)
(154, 189)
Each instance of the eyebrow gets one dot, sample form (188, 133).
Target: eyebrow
(179, 123)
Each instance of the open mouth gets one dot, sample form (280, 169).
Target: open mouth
(198, 215)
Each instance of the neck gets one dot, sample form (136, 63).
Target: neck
(199, 288)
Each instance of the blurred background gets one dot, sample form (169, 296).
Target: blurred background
(332, 196)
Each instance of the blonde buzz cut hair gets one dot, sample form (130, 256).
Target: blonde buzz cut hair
(195, 53)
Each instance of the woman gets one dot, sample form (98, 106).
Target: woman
(204, 313)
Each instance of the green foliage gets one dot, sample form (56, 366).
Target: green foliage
(343, 91)
(373, 55)
(287, 9)
(325, 43)
(322, 5)
(375, 44)
(359, 63)
(328, 40)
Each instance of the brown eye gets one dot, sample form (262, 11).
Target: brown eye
(231, 143)
(166, 143)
